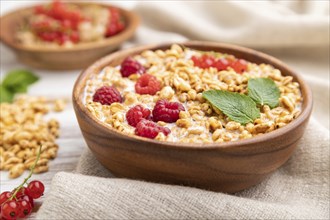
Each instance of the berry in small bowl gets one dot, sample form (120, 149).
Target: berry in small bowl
(66, 35)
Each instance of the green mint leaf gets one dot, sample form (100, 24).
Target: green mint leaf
(17, 81)
(264, 91)
(20, 89)
(5, 94)
(236, 106)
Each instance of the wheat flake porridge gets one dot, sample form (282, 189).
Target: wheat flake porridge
(185, 95)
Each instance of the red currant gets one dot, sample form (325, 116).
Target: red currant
(204, 62)
(21, 192)
(66, 25)
(239, 65)
(4, 197)
(48, 36)
(27, 198)
(59, 21)
(25, 208)
(36, 189)
(63, 38)
(221, 64)
(10, 210)
(74, 37)
(115, 24)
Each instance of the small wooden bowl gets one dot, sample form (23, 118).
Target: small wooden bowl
(226, 167)
(77, 57)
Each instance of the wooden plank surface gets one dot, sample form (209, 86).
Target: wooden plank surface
(71, 144)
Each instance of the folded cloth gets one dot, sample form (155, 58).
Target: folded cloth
(266, 24)
(298, 190)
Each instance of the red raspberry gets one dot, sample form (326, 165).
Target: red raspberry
(239, 65)
(167, 111)
(106, 95)
(130, 66)
(147, 84)
(150, 129)
(136, 114)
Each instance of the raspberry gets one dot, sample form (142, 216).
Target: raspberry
(150, 129)
(106, 95)
(136, 114)
(167, 111)
(147, 84)
(130, 66)
(239, 66)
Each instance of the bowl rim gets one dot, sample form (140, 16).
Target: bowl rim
(238, 144)
(132, 18)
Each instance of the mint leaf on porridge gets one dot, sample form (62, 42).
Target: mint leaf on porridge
(236, 106)
(264, 91)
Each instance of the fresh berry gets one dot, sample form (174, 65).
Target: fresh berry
(74, 37)
(239, 65)
(10, 210)
(221, 64)
(150, 129)
(25, 208)
(107, 95)
(27, 198)
(147, 84)
(115, 24)
(5, 196)
(63, 38)
(114, 28)
(45, 25)
(19, 203)
(130, 66)
(21, 192)
(205, 61)
(167, 111)
(49, 36)
(59, 17)
(136, 114)
(36, 189)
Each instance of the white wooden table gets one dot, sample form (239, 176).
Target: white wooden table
(70, 141)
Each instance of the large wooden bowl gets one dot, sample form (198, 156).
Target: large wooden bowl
(227, 167)
(77, 57)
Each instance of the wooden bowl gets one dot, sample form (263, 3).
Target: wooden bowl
(226, 167)
(77, 57)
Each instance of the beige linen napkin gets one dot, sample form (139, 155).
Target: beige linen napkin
(291, 30)
(262, 24)
(298, 190)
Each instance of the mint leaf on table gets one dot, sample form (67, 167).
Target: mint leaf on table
(236, 106)
(264, 91)
(5, 95)
(17, 81)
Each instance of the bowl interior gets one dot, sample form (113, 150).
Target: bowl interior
(240, 52)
